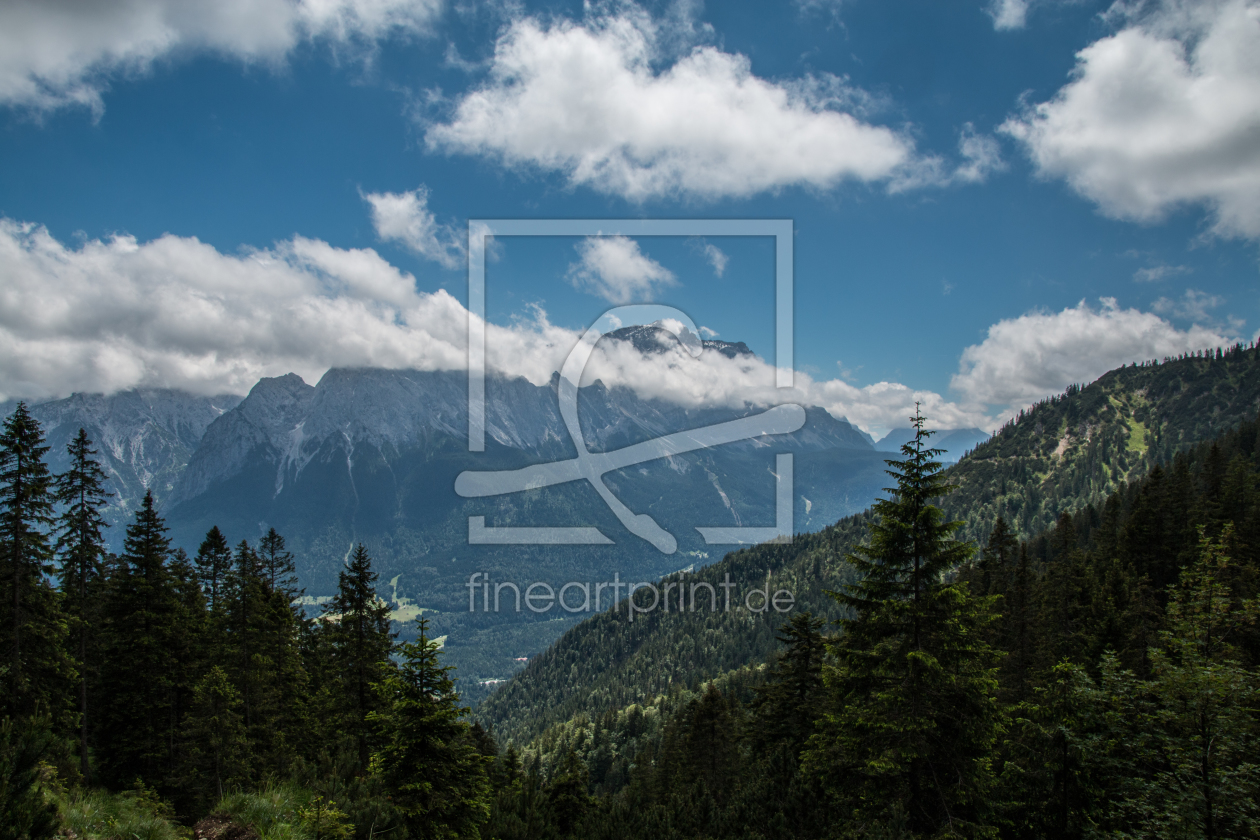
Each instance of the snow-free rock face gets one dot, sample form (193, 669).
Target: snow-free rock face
(262, 424)
(373, 454)
(144, 438)
(285, 423)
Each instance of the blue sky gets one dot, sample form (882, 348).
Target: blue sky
(197, 196)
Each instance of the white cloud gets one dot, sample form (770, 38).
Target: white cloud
(716, 257)
(587, 101)
(55, 53)
(1039, 354)
(1009, 14)
(981, 156)
(175, 312)
(1155, 273)
(614, 268)
(1162, 114)
(405, 218)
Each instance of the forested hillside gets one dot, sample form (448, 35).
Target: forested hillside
(1078, 448)
(1098, 679)
(1057, 456)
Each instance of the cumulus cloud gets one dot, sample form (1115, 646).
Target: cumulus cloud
(587, 101)
(405, 218)
(62, 52)
(1039, 354)
(113, 314)
(175, 312)
(1162, 114)
(614, 268)
(981, 156)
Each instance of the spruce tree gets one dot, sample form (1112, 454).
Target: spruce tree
(910, 717)
(429, 764)
(194, 648)
(81, 548)
(569, 801)
(214, 563)
(141, 623)
(997, 559)
(284, 623)
(276, 565)
(787, 704)
(357, 623)
(246, 654)
(33, 625)
(215, 733)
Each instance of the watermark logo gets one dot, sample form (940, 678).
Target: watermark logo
(673, 594)
(593, 466)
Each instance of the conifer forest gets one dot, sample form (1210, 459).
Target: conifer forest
(1058, 637)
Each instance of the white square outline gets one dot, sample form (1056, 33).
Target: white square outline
(479, 229)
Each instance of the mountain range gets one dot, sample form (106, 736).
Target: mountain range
(371, 456)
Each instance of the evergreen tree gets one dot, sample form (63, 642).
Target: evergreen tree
(194, 648)
(215, 732)
(141, 613)
(81, 547)
(214, 564)
(788, 704)
(1016, 632)
(283, 623)
(246, 653)
(705, 746)
(277, 565)
(568, 796)
(24, 812)
(429, 764)
(1199, 775)
(33, 625)
(997, 559)
(911, 717)
(357, 623)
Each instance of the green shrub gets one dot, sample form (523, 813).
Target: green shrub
(134, 815)
(287, 812)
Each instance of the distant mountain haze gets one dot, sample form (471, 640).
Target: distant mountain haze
(954, 442)
(371, 456)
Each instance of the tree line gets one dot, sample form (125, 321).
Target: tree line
(181, 678)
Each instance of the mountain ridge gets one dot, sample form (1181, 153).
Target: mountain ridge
(608, 662)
